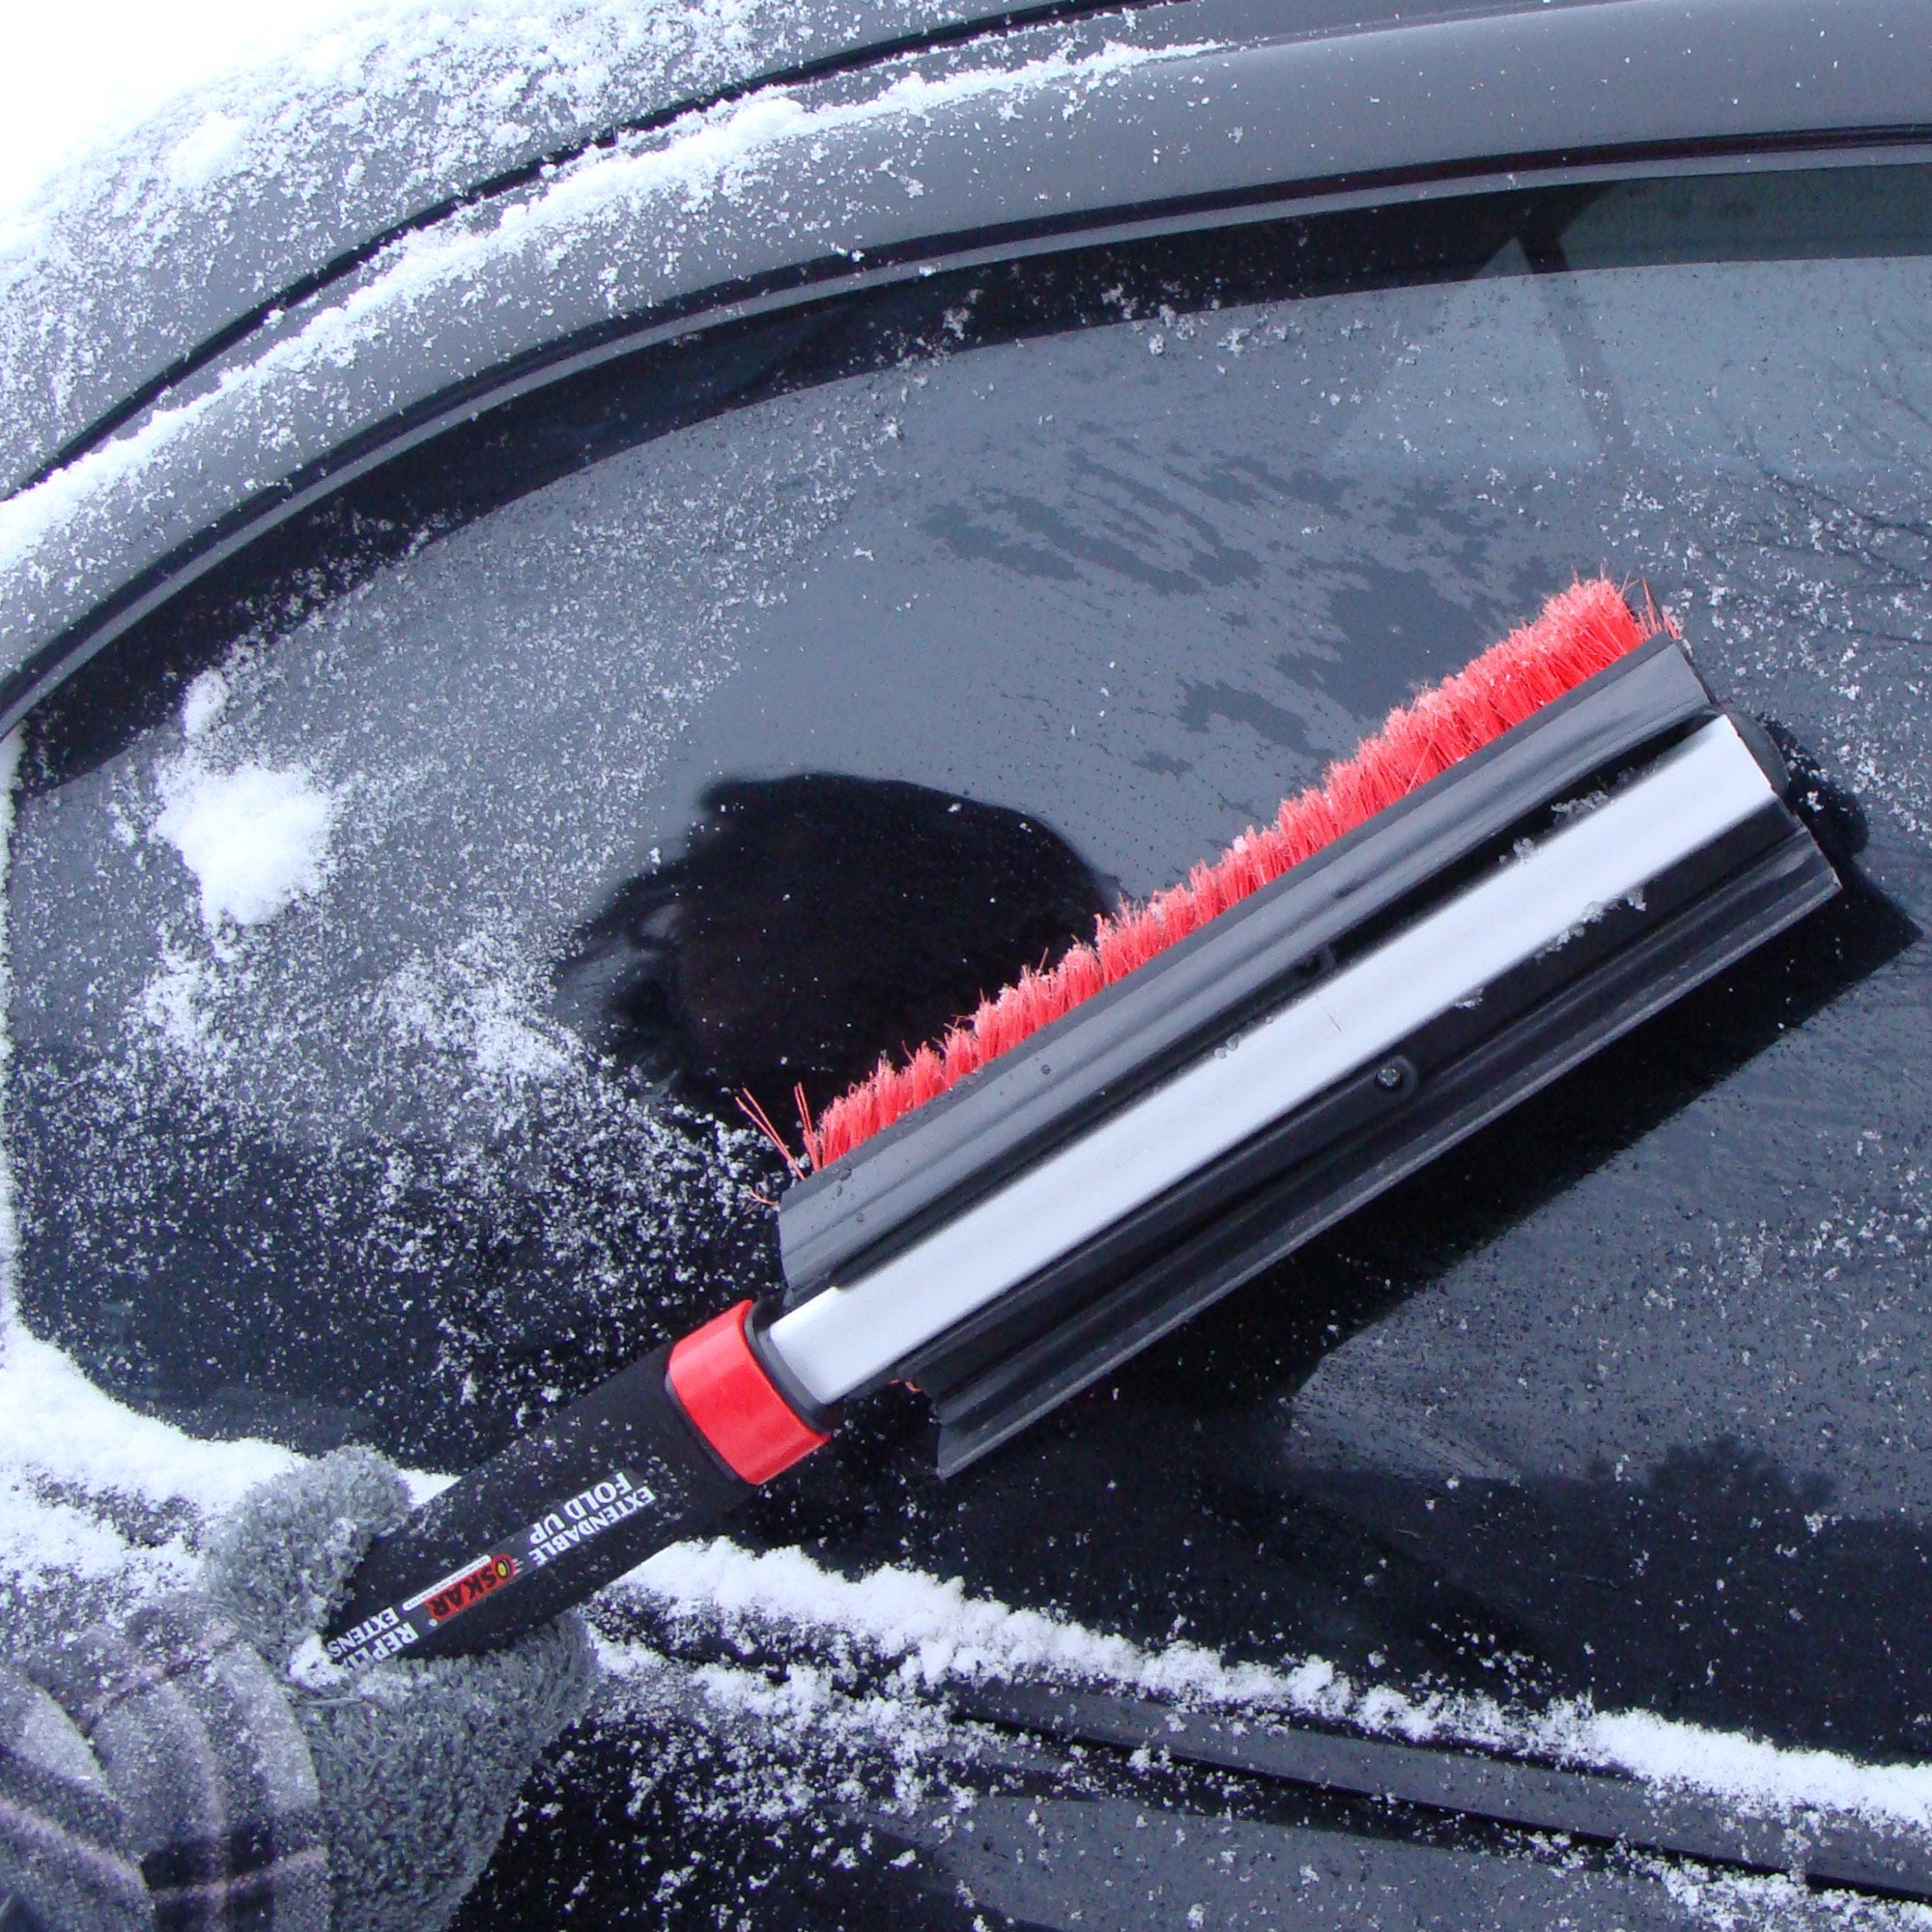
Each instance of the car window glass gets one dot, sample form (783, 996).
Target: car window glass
(366, 1083)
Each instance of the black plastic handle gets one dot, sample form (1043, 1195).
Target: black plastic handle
(600, 1486)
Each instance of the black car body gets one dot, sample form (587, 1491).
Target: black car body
(1103, 416)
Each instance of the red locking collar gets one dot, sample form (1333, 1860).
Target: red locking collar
(731, 1403)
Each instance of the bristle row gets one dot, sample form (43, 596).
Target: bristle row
(1580, 632)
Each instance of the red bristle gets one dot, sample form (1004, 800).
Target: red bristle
(997, 1023)
(748, 1105)
(960, 1054)
(1579, 632)
(807, 1127)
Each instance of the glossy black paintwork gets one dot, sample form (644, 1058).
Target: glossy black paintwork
(1650, 1351)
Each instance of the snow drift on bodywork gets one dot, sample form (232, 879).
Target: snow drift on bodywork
(134, 253)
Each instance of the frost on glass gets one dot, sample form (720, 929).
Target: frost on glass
(286, 1026)
(309, 1144)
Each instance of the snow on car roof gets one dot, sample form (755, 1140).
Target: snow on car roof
(150, 196)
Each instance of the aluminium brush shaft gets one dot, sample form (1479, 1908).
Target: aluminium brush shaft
(596, 1488)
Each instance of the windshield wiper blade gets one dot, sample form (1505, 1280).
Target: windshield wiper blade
(1832, 1848)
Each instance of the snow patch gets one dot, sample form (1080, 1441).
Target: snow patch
(50, 1543)
(55, 1424)
(176, 1001)
(938, 1633)
(256, 838)
(207, 152)
(88, 74)
(476, 1000)
(206, 700)
(1741, 1768)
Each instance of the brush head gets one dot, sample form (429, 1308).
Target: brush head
(1579, 632)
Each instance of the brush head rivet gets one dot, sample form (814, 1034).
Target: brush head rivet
(1388, 1078)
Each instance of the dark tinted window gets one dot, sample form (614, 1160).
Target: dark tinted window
(370, 1073)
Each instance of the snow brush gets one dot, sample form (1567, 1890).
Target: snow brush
(1523, 864)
